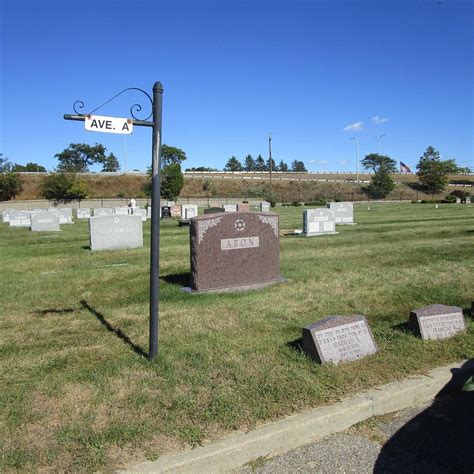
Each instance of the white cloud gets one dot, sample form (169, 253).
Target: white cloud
(354, 127)
(318, 162)
(343, 162)
(379, 120)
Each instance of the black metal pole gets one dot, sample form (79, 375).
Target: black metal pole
(155, 221)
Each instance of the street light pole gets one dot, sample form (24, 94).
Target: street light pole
(379, 137)
(270, 159)
(357, 157)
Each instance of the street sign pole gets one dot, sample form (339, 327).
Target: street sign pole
(155, 221)
(117, 125)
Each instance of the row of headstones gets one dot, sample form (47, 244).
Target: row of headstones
(38, 219)
(321, 221)
(345, 338)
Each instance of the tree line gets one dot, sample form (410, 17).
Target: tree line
(259, 164)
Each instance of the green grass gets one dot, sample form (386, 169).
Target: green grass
(74, 396)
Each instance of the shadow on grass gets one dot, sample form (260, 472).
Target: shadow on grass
(439, 439)
(181, 279)
(117, 331)
(297, 344)
(86, 247)
(44, 312)
(403, 327)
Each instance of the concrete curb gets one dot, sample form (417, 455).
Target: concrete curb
(278, 437)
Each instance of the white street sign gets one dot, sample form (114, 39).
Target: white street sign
(99, 123)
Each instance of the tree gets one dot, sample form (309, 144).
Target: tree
(172, 181)
(5, 164)
(29, 167)
(62, 187)
(375, 162)
(298, 166)
(249, 163)
(433, 172)
(233, 165)
(110, 164)
(79, 156)
(382, 183)
(171, 155)
(259, 163)
(201, 168)
(10, 185)
(282, 166)
(274, 165)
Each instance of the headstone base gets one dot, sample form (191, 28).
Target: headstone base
(319, 234)
(234, 289)
(183, 222)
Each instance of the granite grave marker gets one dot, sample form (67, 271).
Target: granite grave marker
(318, 222)
(176, 210)
(83, 213)
(230, 250)
(339, 338)
(214, 210)
(437, 321)
(115, 232)
(102, 211)
(230, 207)
(343, 212)
(44, 222)
(20, 219)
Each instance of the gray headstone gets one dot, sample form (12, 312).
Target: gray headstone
(6, 215)
(190, 212)
(44, 222)
(437, 321)
(343, 212)
(318, 222)
(230, 207)
(140, 212)
(115, 232)
(64, 216)
(264, 206)
(20, 219)
(102, 211)
(121, 211)
(184, 209)
(66, 210)
(339, 338)
(83, 213)
(148, 212)
(213, 210)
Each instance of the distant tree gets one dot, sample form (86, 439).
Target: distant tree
(233, 164)
(10, 185)
(433, 172)
(171, 155)
(77, 157)
(5, 164)
(249, 163)
(110, 164)
(274, 165)
(29, 167)
(375, 162)
(298, 166)
(62, 187)
(172, 181)
(259, 163)
(282, 166)
(382, 183)
(464, 170)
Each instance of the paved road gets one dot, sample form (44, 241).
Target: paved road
(431, 438)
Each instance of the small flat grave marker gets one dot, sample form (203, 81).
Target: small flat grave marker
(318, 222)
(338, 339)
(437, 321)
(343, 212)
(115, 232)
(44, 222)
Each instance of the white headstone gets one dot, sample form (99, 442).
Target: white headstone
(184, 212)
(318, 222)
(343, 212)
(121, 211)
(20, 219)
(83, 213)
(115, 232)
(102, 211)
(264, 206)
(140, 212)
(230, 207)
(44, 222)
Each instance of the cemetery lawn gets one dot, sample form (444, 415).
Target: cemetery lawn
(77, 395)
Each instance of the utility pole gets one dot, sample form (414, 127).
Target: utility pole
(357, 157)
(270, 159)
(379, 137)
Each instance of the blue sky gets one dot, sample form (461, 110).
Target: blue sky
(233, 71)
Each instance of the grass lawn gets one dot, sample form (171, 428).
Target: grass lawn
(75, 393)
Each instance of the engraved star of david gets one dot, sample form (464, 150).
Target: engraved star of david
(239, 224)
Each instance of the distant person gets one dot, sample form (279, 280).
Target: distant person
(132, 204)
